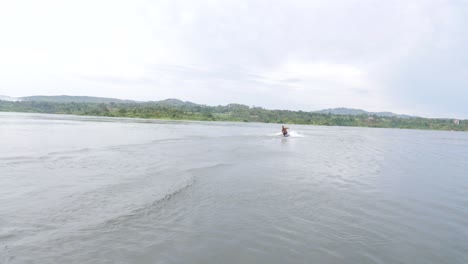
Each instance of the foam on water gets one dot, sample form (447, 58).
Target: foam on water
(290, 133)
(295, 134)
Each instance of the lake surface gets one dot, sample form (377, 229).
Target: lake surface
(109, 190)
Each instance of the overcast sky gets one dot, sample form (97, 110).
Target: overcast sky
(402, 56)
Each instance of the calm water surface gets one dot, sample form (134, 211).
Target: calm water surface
(109, 190)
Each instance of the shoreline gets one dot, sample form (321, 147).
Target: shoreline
(222, 121)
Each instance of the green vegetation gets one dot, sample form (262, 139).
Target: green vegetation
(179, 110)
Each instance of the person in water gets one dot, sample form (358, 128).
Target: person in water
(284, 130)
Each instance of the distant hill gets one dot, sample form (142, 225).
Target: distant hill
(91, 99)
(174, 102)
(76, 99)
(179, 103)
(351, 111)
(8, 98)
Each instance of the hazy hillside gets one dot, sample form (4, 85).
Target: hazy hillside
(8, 98)
(91, 99)
(351, 111)
(76, 99)
(171, 102)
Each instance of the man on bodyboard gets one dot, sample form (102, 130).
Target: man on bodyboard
(285, 131)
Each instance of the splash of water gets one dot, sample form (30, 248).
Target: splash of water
(295, 134)
(290, 133)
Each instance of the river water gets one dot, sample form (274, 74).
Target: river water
(112, 190)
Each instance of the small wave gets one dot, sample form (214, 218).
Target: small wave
(57, 155)
(159, 199)
(94, 210)
(6, 257)
(222, 164)
(71, 151)
(163, 140)
(144, 208)
(16, 158)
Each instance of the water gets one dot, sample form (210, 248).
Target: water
(109, 190)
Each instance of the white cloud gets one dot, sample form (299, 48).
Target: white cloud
(294, 54)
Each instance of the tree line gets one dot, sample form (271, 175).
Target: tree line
(231, 112)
